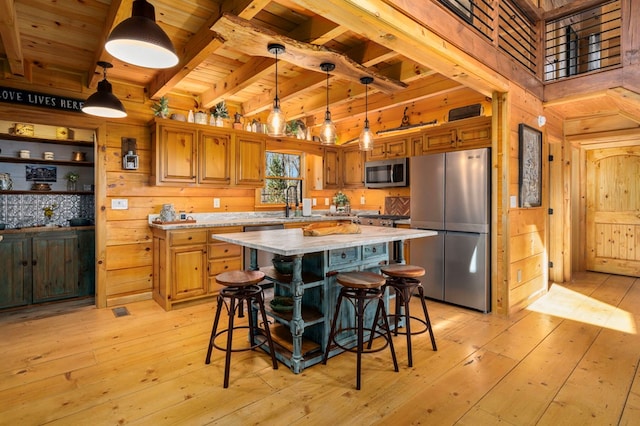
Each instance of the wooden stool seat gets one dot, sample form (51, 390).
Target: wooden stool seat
(360, 289)
(403, 271)
(361, 280)
(239, 278)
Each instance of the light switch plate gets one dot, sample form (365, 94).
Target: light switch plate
(513, 201)
(314, 201)
(119, 204)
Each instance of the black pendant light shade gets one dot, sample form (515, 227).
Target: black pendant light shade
(104, 103)
(365, 141)
(328, 135)
(276, 122)
(138, 40)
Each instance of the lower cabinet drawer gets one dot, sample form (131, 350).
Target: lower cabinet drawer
(342, 256)
(220, 250)
(374, 250)
(219, 266)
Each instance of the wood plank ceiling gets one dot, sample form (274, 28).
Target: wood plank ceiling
(68, 37)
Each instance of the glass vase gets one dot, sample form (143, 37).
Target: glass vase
(72, 186)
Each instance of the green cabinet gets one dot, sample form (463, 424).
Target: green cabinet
(15, 264)
(46, 266)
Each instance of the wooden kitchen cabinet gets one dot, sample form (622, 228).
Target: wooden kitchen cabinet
(463, 134)
(174, 156)
(15, 264)
(222, 257)
(389, 148)
(186, 261)
(186, 155)
(46, 266)
(331, 168)
(250, 160)
(353, 167)
(55, 266)
(179, 265)
(214, 157)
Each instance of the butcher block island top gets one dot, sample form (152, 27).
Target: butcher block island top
(288, 242)
(301, 335)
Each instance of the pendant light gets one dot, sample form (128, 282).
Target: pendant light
(328, 134)
(138, 40)
(103, 103)
(365, 141)
(276, 122)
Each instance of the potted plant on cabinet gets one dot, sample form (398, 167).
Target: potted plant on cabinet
(219, 112)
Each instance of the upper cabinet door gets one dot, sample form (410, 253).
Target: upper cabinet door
(176, 155)
(214, 156)
(352, 167)
(250, 153)
(331, 168)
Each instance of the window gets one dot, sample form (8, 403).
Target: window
(283, 171)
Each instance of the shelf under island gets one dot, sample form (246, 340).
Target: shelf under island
(301, 336)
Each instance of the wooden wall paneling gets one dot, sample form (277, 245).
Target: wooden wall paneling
(127, 232)
(129, 280)
(501, 130)
(522, 296)
(129, 255)
(525, 270)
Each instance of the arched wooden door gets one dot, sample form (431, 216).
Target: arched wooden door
(613, 210)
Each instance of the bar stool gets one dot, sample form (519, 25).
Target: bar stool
(403, 279)
(359, 289)
(240, 286)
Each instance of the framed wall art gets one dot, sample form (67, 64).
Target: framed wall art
(530, 173)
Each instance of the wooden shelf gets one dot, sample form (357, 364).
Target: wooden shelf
(50, 162)
(11, 137)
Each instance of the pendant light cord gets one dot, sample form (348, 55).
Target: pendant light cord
(276, 100)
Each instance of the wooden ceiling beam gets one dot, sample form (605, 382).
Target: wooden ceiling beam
(10, 35)
(316, 30)
(204, 43)
(252, 40)
(239, 79)
(119, 10)
(386, 24)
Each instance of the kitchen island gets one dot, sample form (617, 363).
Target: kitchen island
(301, 335)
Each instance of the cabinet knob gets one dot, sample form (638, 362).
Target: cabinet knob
(343, 255)
(34, 262)
(25, 263)
(190, 238)
(373, 250)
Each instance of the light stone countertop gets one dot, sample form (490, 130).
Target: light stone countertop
(289, 242)
(206, 220)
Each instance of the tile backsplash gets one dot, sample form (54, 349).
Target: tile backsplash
(25, 210)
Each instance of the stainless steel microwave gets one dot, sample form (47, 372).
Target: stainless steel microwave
(386, 173)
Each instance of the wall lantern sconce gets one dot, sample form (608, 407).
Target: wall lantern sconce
(365, 140)
(104, 103)
(130, 158)
(276, 122)
(139, 40)
(328, 135)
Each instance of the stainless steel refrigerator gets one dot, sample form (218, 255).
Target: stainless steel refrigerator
(450, 193)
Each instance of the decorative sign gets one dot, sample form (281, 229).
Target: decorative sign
(26, 97)
(530, 179)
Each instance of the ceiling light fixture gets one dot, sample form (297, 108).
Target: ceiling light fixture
(103, 103)
(365, 141)
(276, 122)
(138, 40)
(328, 135)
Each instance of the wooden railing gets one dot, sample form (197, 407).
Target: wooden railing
(583, 42)
(579, 43)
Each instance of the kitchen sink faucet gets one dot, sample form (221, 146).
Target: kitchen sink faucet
(287, 209)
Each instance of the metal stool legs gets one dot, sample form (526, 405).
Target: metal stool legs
(236, 296)
(404, 288)
(359, 298)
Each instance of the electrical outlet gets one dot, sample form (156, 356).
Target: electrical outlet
(119, 204)
(513, 201)
(326, 201)
(362, 200)
(314, 201)
(216, 203)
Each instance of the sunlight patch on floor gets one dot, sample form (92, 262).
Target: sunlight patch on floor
(564, 303)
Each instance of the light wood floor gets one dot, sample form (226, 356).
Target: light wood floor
(570, 360)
